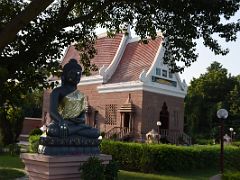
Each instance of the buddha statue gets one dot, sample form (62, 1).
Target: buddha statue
(67, 111)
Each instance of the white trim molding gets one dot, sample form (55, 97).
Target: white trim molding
(86, 80)
(109, 71)
(138, 85)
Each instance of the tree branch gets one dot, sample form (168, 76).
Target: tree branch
(9, 32)
(91, 14)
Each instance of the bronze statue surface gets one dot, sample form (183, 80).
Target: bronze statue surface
(68, 133)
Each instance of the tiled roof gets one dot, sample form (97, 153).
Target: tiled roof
(106, 49)
(137, 56)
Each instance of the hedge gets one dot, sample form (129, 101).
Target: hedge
(163, 157)
(231, 176)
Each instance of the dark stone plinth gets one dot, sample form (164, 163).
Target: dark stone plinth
(68, 146)
(69, 141)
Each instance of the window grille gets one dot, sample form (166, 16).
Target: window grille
(111, 114)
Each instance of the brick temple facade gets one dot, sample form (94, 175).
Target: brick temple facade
(132, 89)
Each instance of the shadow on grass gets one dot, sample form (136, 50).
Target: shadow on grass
(10, 174)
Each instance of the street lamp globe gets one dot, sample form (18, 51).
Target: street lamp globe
(222, 114)
(100, 138)
(231, 129)
(159, 123)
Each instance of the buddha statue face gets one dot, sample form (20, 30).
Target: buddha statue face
(72, 72)
(73, 76)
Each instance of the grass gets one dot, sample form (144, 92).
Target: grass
(11, 167)
(196, 175)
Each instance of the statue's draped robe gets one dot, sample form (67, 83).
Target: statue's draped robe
(71, 108)
(72, 105)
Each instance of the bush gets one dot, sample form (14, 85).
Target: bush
(11, 122)
(236, 143)
(111, 171)
(163, 157)
(231, 176)
(204, 141)
(14, 149)
(33, 143)
(35, 131)
(93, 169)
(103, 134)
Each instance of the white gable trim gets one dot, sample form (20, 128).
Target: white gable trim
(158, 56)
(108, 72)
(86, 80)
(146, 77)
(138, 85)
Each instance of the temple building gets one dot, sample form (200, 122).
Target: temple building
(132, 90)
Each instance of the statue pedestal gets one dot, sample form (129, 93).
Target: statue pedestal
(42, 167)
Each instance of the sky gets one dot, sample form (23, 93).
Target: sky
(231, 61)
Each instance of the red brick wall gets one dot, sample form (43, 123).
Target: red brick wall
(31, 123)
(46, 101)
(152, 105)
(148, 106)
(98, 101)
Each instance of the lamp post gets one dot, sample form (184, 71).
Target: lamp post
(231, 134)
(158, 125)
(222, 114)
(234, 133)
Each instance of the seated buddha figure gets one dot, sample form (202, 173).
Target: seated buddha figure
(67, 106)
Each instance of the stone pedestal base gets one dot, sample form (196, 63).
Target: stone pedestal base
(42, 167)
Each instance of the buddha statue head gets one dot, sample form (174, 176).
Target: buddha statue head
(72, 72)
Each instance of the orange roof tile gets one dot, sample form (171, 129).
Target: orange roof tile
(106, 49)
(137, 56)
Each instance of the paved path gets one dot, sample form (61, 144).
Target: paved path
(216, 177)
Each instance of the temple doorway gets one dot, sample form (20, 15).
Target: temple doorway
(126, 120)
(164, 117)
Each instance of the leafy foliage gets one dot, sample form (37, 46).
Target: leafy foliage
(35, 131)
(14, 149)
(33, 143)
(231, 175)
(111, 171)
(92, 169)
(32, 56)
(11, 122)
(162, 157)
(211, 91)
(32, 104)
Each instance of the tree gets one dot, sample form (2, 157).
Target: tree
(11, 122)
(205, 96)
(234, 100)
(8, 33)
(33, 42)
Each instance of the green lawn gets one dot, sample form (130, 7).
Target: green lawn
(196, 175)
(11, 167)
